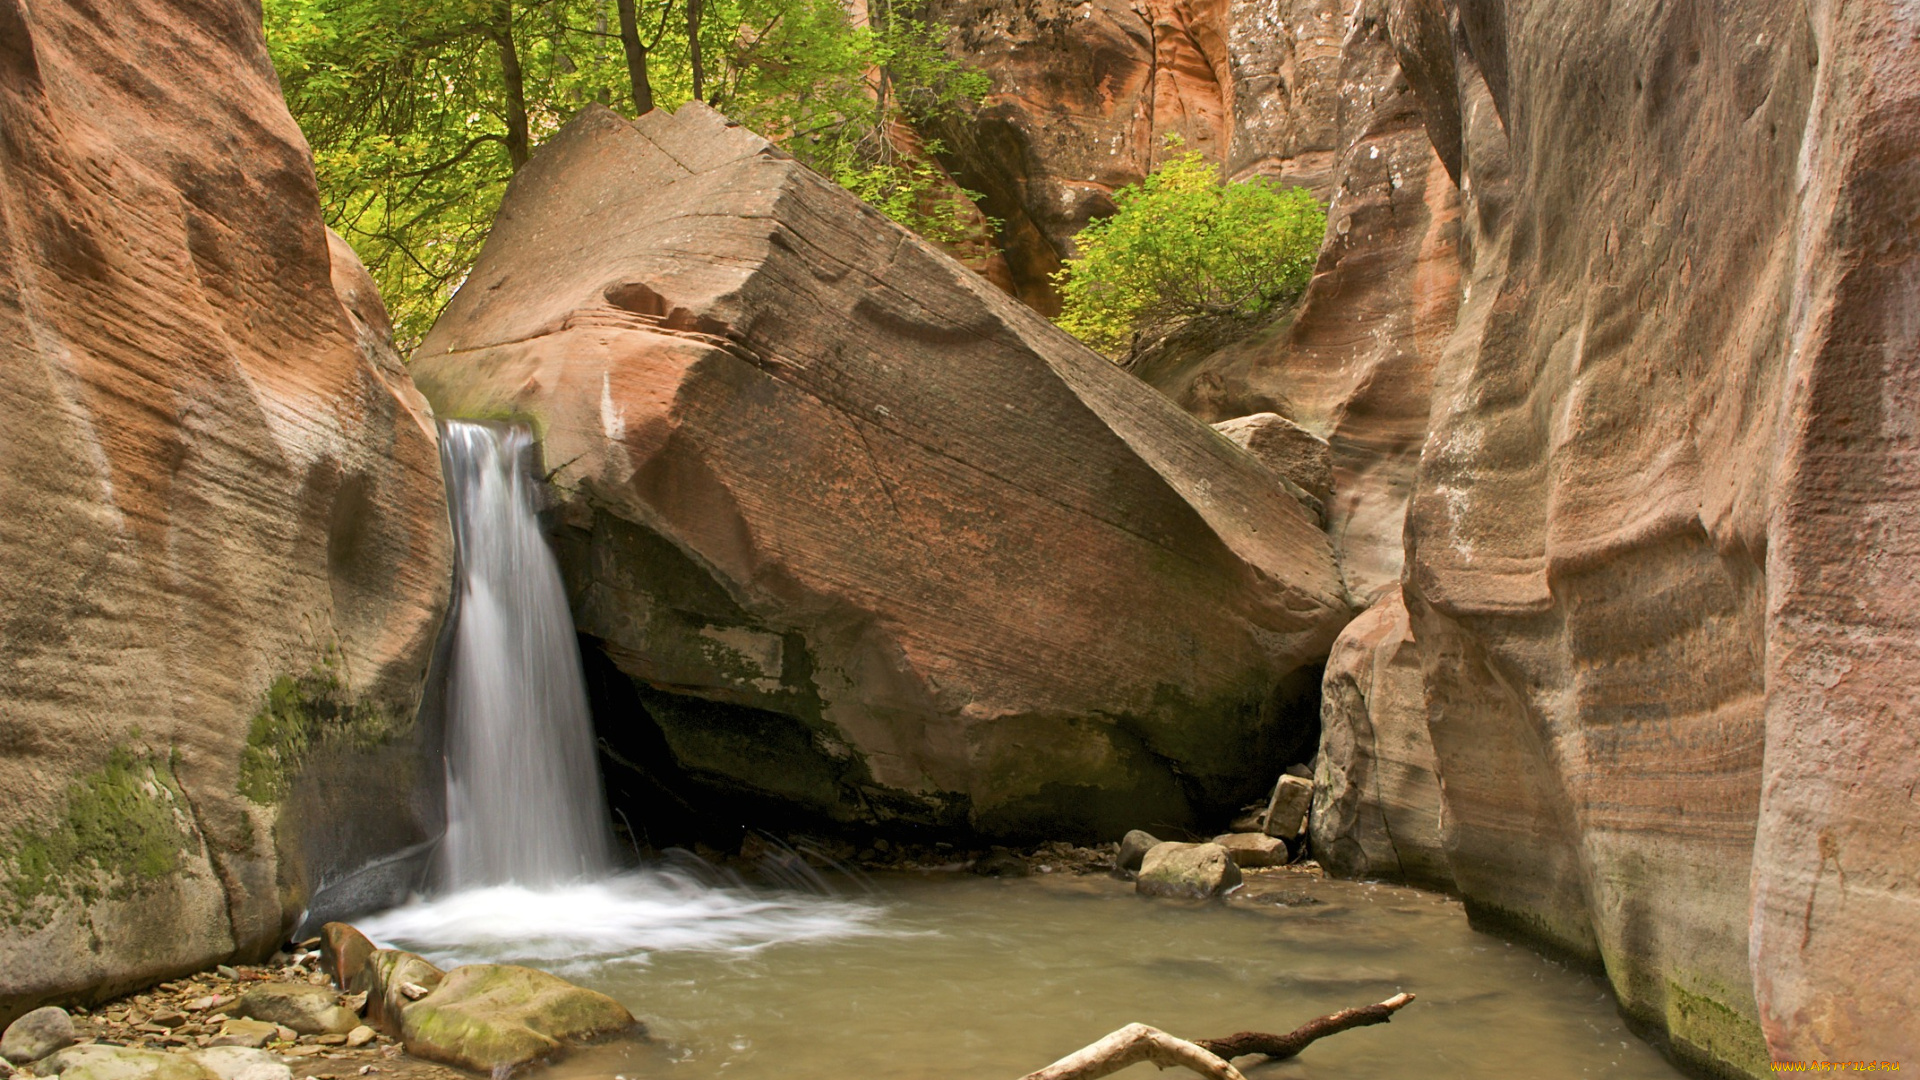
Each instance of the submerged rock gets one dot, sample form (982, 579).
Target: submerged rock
(307, 1009)
(856, 535)
(493, 1016)
(1191, 871)
(1376, 801)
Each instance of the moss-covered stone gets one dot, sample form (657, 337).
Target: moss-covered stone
(121, 826)
(1713, 1035)
(493, 1016)
(299, 713)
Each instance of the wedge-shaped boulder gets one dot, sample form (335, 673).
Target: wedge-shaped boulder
(492, 1016)
(857, 533)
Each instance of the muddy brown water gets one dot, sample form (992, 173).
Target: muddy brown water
(961, 978)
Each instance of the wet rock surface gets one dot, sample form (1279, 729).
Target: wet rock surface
(848, 525)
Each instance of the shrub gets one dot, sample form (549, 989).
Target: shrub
(1182, 249)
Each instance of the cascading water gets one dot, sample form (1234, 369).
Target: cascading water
(523, 790)
(527, 865)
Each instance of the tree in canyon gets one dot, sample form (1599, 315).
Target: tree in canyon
(1182, 251)
(419, 113)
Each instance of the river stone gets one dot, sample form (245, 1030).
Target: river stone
(304, 1007)
(1192, 871)
(246, 1033)
(382, 977)
(1133, 848)
(343, 954)
(1287, 811)
(36, 1035)
(241, 1063)
(98, 1061)
(500, 1016)
(223, 513)
(854, 527)
(1253, 850)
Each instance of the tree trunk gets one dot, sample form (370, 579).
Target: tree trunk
(519, 147)
(693, 50)
(637, 58)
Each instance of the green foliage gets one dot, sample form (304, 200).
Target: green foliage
(121, 825)
(419, 111)
(1182, 249)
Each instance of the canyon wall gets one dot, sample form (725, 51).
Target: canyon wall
(1619, 300)
(1659, 558)
(224, 540)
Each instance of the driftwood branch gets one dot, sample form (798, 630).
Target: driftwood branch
(1130, 1046)
(1208, 1057)
(1286, 1046)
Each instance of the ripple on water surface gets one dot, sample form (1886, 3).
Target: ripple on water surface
(972, 979)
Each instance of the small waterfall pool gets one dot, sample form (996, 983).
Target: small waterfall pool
(952, 977)
(936, 976)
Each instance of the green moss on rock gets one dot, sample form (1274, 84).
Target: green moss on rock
(299, 713)
(120, 827)
(1714, 1035)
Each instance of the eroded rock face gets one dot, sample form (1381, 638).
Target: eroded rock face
(1085, 96)
(1376, 801)
(1661, 567)
(224, 540)
(862, 535)
(1354, 363)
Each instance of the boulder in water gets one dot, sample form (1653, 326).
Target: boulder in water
(385, 977)
(1376, 800)
(857, 536)
(492, 1016)
(1189, 871)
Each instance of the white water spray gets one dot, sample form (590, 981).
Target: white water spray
(524, 805)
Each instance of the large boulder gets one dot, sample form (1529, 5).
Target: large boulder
(1376, 801)
(494, 1017)
(1661, 562)
(863, 537)
(224, 540)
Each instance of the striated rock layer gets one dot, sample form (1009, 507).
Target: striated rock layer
(862, 535)
(1661, 558)
(222, 531)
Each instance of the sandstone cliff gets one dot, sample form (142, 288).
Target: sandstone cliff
(866, 537)
(1660, 564)
(223, 536)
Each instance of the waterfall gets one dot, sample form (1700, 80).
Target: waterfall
(523, 790)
